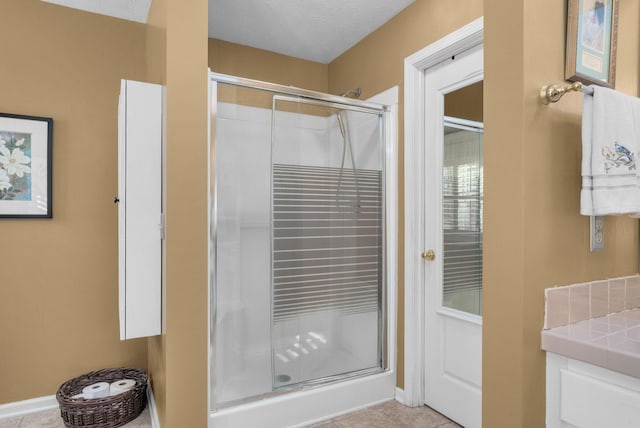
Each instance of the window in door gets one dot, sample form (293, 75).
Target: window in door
(462, 194)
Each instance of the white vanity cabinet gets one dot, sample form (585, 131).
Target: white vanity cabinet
(582, 395)
(140, 219)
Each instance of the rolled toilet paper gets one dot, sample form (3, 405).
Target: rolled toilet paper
(122, 385)
(79, 396)
(96, 390)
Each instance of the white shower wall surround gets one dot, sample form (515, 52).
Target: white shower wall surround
(252, 348)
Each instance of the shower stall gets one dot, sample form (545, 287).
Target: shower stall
(302, 253)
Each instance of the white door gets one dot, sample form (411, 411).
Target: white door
(453, 245)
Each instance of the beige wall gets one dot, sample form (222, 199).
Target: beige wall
(177, 57)
(58, 301)
(504, 241)
(465, 103)
(377, 63)
(63, 271)
(535, 237)
(156, 63)
(58, 277)
(258, 64)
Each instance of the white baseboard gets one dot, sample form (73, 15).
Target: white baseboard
(153, 410)
(19, 408)
(401, 397)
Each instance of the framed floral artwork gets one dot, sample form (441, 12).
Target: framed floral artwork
(25, 166)
(592, 31)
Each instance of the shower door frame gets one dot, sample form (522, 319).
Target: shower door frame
(388, 131)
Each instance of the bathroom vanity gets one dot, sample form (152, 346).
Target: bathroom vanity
(593, 364)
(584, 395)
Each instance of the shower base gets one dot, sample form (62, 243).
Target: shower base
(307, 351)
(298, 409)
(337, 361)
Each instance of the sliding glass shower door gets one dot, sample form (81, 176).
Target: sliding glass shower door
(297, 243)
(326, 241)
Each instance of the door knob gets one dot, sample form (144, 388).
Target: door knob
(429, 255)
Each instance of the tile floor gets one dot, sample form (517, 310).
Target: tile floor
(390, 414)
(386, 415)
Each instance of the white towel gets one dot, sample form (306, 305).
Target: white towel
(610, 143)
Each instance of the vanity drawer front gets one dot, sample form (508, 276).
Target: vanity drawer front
(589, 402)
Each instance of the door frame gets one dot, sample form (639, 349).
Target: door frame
(467, 37)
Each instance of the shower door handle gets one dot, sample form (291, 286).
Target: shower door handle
(429, 255)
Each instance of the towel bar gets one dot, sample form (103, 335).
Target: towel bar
(553, 93)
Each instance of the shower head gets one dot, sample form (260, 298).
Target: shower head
(353, 93)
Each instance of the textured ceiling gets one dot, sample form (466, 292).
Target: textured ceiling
(132, 10)
(317, 30)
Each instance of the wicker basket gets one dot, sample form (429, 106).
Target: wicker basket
(108, 412)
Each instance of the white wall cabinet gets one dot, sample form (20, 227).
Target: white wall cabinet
(140, 219)
(581, 395)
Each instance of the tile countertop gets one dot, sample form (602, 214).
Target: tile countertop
(611, 341)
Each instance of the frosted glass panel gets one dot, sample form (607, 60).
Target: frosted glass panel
(242, 296)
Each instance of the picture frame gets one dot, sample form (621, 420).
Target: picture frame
(592, 32)
(25, 166)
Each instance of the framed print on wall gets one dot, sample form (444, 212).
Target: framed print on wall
(25, 166)
(592, 29)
